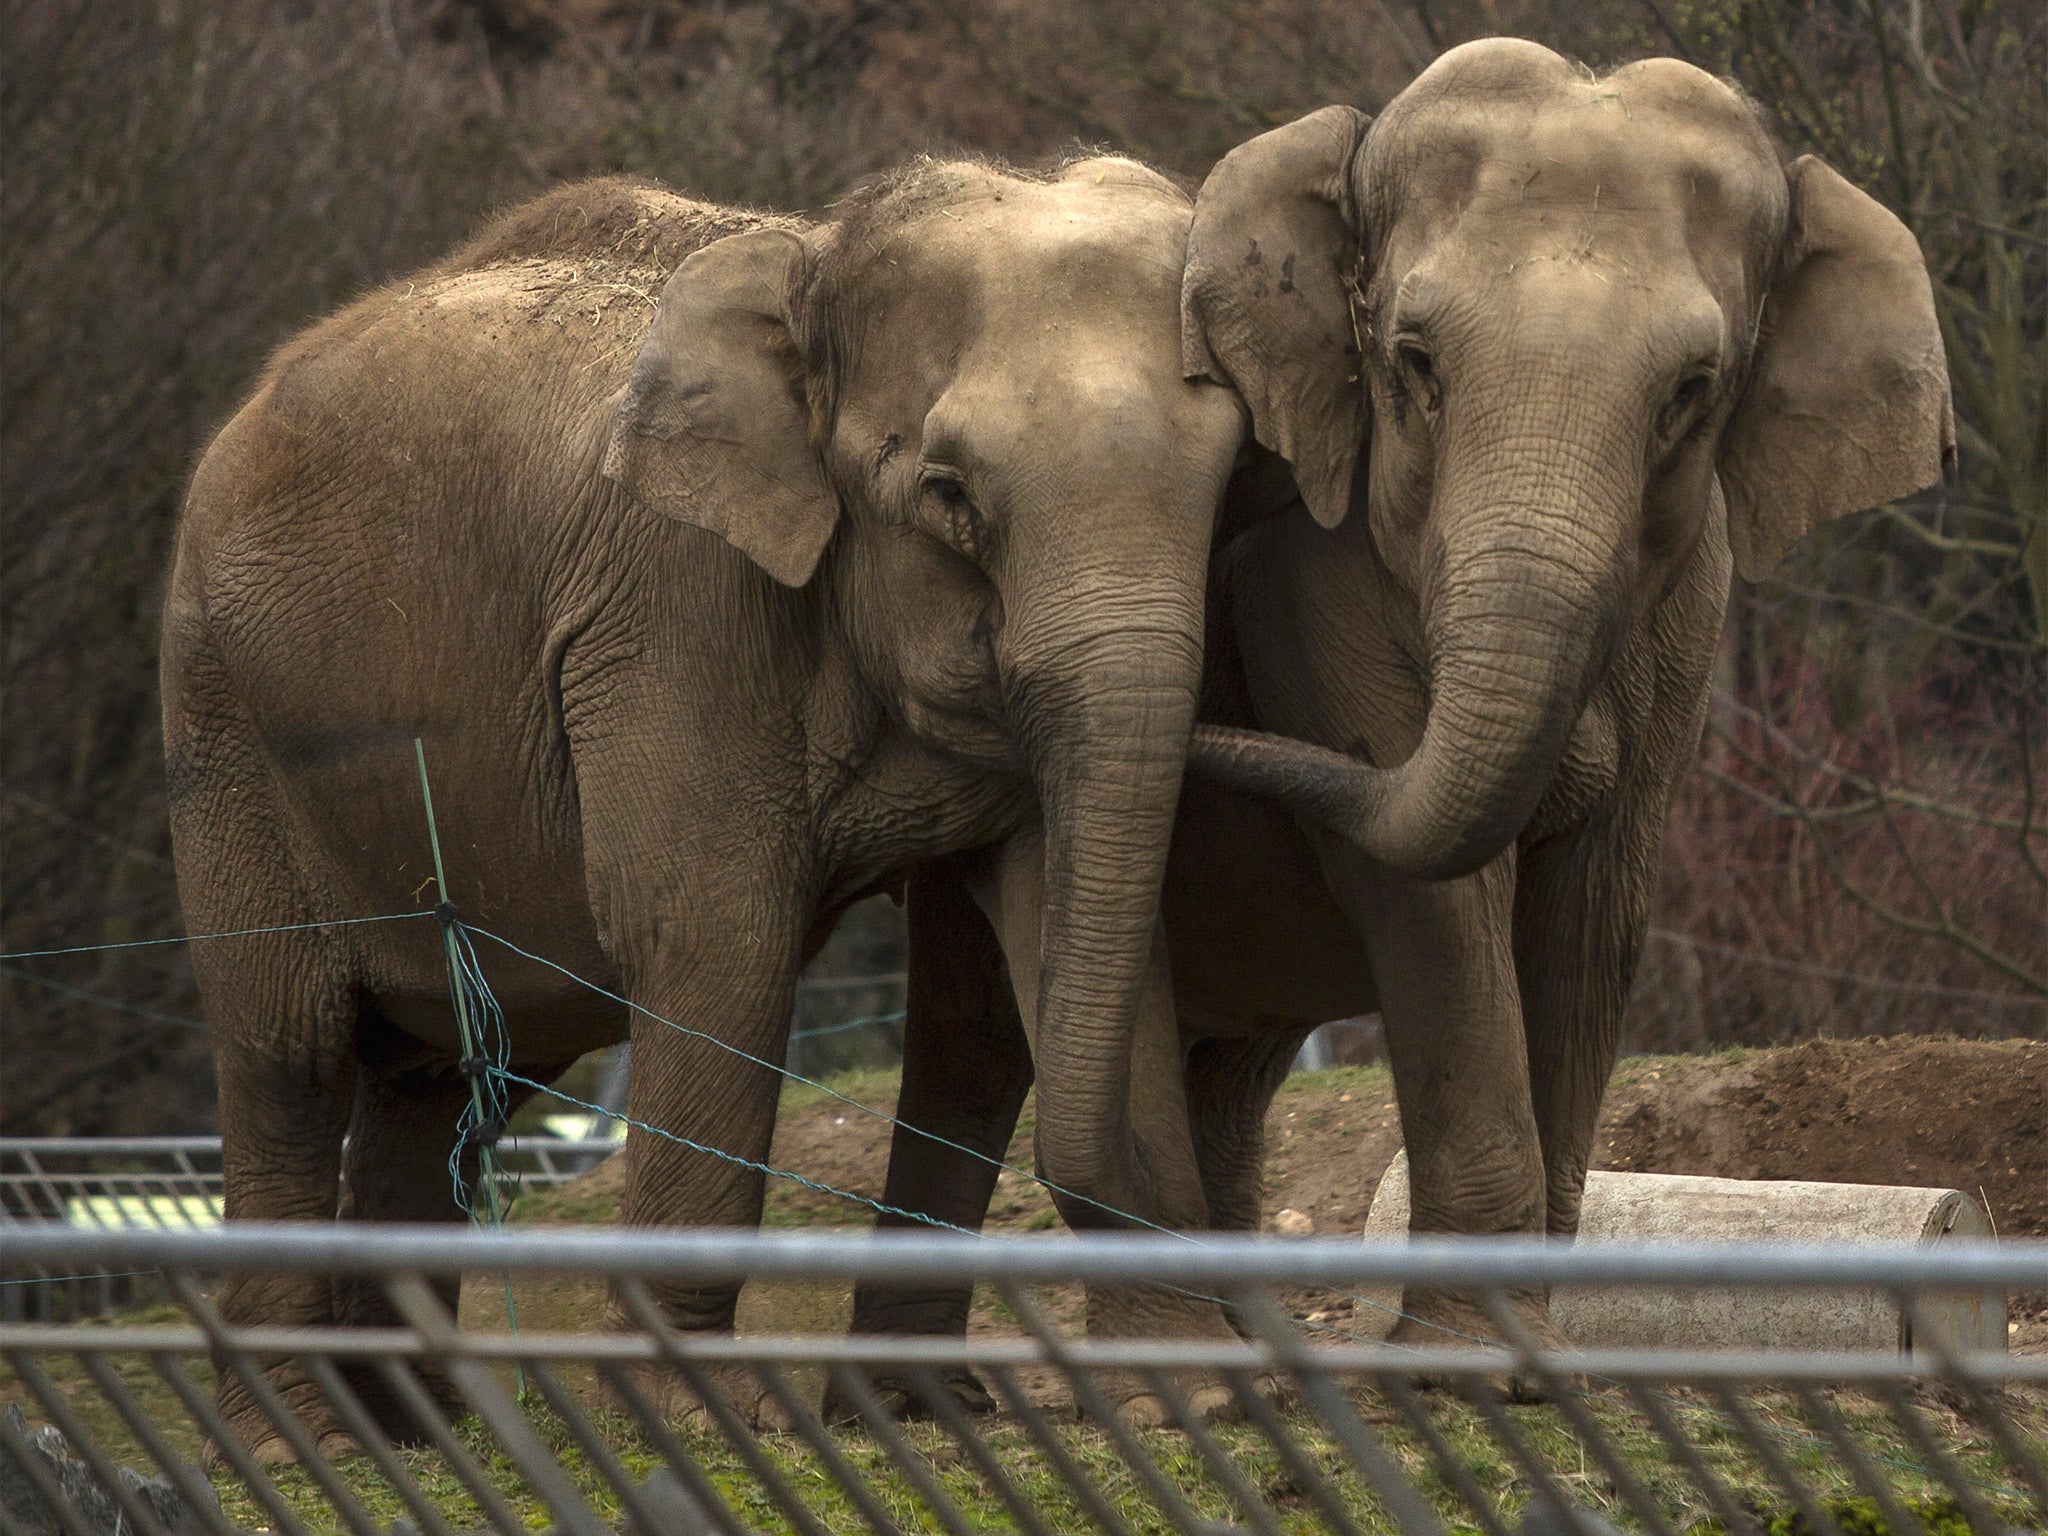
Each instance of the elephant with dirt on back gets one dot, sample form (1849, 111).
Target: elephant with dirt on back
(866, 542)
(1547, 354)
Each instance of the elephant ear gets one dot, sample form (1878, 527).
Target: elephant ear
(1847, 405)
(714, 429)
(1266, 297)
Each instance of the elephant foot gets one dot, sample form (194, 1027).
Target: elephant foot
(273, 1450)
(901, 1398)
(1158, 1313)
(1209, 1398)
(1143, 1410)
(1438, 1321)
(678, 1403)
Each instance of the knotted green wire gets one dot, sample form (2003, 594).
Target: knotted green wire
(480, 1023)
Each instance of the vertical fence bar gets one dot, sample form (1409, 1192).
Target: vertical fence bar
(1047, 1438)
(1235, 1485)
(356, 1419)
(1299, 1464)
(694, 1479)
(720, 1412)
(1569, 1400)
(1457, 1476)
(900, 1452)
(1165, 1492)
(946, 1410)
(142, 1385)
(842, 1471)
(420, 1403)
(1351, 1432)
(1765, 1444)
(1548, 1493)
(1959, 1482)
(593, 1446)
(195, 1490)
(1861, 1467)
(266, 1397)
(324, 1475)
(423, 1312)
(1930, 1336)
(1688, 1456)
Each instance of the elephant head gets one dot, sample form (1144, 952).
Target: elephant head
(959, 410)
(1549, 332)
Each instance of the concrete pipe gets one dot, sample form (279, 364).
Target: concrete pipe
(1663, 1207)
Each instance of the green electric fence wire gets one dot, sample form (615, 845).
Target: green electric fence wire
(80, 995)
(484, 1058)
(830, 1092)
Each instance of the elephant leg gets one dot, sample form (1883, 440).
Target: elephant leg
(966, 1070)
(1230, 1085)
(1161, 1141)
(281, 1010)
(730, 986)
(1231, 1081)
(1582, 906)
(396, 1169)
(1442, 956)
(283, 1017)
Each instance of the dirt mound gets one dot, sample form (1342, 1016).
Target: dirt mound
(1951, 1114)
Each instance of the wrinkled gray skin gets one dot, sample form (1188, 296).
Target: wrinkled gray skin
(1548, 356)
(966, 501)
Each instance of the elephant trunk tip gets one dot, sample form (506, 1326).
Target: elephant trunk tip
(1370, 807)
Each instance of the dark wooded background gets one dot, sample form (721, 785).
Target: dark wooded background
(185, 183)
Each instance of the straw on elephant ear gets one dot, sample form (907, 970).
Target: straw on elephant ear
(1267, 292)
(714, 429)
(1847, 404)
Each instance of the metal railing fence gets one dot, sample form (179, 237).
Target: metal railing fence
(171, 1182)
(1290, 1423)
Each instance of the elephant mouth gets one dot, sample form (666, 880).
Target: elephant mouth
(970, 731)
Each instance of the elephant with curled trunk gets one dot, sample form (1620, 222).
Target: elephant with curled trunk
(1548, 355)
(727, 566)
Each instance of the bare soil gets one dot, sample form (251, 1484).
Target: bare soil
(1953, 1114)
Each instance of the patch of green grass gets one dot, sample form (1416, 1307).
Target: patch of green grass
(1862, 1517)
(1331, 1081)
(874, 1086)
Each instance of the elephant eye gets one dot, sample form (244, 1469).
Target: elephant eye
(959, 516)
(1692, 389)
(1420, 369)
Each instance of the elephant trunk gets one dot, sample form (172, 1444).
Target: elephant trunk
(1521, 607)
(1105, 720)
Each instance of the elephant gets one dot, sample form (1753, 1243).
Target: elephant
(1549, 357)
(725, 566)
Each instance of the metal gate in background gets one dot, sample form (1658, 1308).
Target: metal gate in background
(169, 1183)
(1293, 1423)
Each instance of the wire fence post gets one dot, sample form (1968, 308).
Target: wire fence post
(485, 1051)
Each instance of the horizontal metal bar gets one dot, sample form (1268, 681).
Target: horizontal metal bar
(1656, 1366)
(106, 1146)
(1212, 1261)
(886, 979)
(152, 1146)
